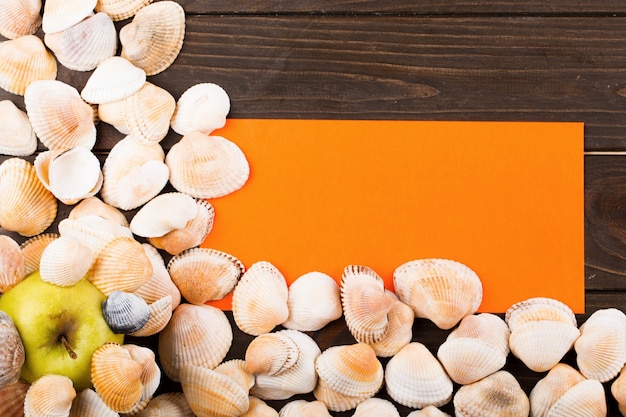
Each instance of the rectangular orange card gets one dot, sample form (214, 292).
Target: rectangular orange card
(504, 198)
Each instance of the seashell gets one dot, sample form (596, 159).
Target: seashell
(93, 206)
(83, 46)
(12, 263)
(313, 300)
(33, 248)
(376, 407)
(203, 274)
(170, 404)
(125, 312)
(618, 390)
(441, 290)
(12, 399)
(17, 137)
(586, 398)
(399, 331)
(365, 303)
(145, 114)
(93, 231)
(50, 395)
(236, 369)
(26, 206)
(192, 234)
(498, 394)
(258, 408)
(415, 378)
(601, 347)
(150, 374)
(272, 353)
(24, 60)
(160, 284)
(536, 309)
(155, 36)
(260, 299)
(428, 411)
(116, 377)
(304, 408)
(121, 9)
(195, 335)
(20, 18)
(11, 351)
(59, 116)
(292, 377)
(162, 214)
(476, 348)
(549, 389)
(202, 107)
(89, 404)
(121, 265)
(59, 15)
(210, 393)
(113, 79)
(134, 173)
(206, 166)
(160, 315)
(65, 261)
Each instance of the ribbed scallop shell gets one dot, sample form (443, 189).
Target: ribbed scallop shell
(549, 389)
(155, 36)
(202, 107)
(259, 408)
(498, 394)
(195, 335)
(160, 315)
(538, 308)
(365, 303)
(116, 377)
(164, 213)
(399, 332)
(429, 411)
(93, 231)
(89, 404)
(271, 354)
(210, 393)
(260, 299)
(299, 378)
(33, 248)
(12, 263)
(441, 290)
(17, 137)
(334, 400)
(24, 60)
(121, 265)
(601, 347)
(50, 395)
(160, 284)
(65, 261)
(237, 371)
(585, 399)
(206, 166)
(203, 274)
(191, 235)
(121, 9)
(150, 374)
(376, 407)
(113, 79)
(11, 351)
(125, 312)
(94, 206)
(60, 117)
(415, 378)
(19, 18)
(170, 404)
(304, 408)
(314, 300)
(59, 15)
(26, 207)
(618, 390)
(12, 399)
(83, 46)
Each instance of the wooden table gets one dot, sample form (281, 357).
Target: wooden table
(435, 60)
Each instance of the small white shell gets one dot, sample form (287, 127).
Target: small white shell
(17, 137)
(65, 261)
(59, 15)
(121, 9)
(376, 407)
(303, 408)
(202, 107)
(162, 214)
(113, 79)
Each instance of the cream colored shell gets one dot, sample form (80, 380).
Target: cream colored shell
(113, 79)
(59, 15)
(19, 18)
(121, 9)
(89, 404)
(17, 137)
(24, 60)
(49, 395)
(12, 263)
(498, 394)
(202, 107)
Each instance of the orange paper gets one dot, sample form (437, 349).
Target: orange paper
(504, 198)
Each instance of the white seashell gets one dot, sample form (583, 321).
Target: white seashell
(93, 231)
(536, 309)
(202, 107)
(170, 404)
(89, 404)
(618, 390)
(162, 214)
(121, 9)
(12, 263)
(17, 137)
(50, 395)
(376, 407)
(236, 369)
(93, 206)
(586, 398)
(498, 394)
(150, 374)
(549, 389)
(160, 284)
(258, 408)
(24, 60)
(399, 332)
(304, 408)
(65, 261)
(12, 353)
(124, 312)
(83, 46)
(429, 411)
(59, 15)
(113, 79)
(19, 18)
(33, 248)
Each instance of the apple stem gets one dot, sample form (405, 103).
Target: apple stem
(66, 345)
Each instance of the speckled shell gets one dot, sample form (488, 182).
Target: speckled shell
(441, 290)
(155, 36)
(11, 351)
(17, 137)
(259, 408)
(164, 213)
(429, 411)
(170, 404)
(113, 79)
(399, 332)
(202, 107)
(24, 60)
(204, 274)
(65, 261)
(498, 394)
(549, 389)
(121, 9)
(83, 46)
(125, 312)
(26, 207)
(50, 395)
(304, 408)
(260, 299)
(12, 399)
(601, 347)
(89, 404)
(160, 284)
(59, 116)
(160, 315)
(59, 15)
(19, 18)
(195, 335)
(376, 407)
(94, 206)
(206, 166)
(12, 263)
(33, 248)
(415, 378)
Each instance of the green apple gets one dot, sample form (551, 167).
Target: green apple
(60, 327)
